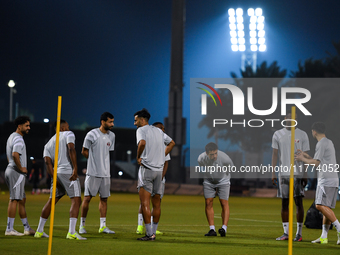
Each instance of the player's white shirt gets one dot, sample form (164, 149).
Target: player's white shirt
(282, 140)
(222, 160)
(16, 143)
(325, 153)
(64, 161)
(99, 146)
(153, 155)
(167, 157)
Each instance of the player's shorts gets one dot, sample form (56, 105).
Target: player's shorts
(222, 189)
(150, 180)
(283, 190)
(71, 188)
(326, 196)
(162, 189)
(94, 185)
(15, 183)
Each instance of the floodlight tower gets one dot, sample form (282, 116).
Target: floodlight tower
(247, 39)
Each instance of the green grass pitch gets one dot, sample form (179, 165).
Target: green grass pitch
(253, 226)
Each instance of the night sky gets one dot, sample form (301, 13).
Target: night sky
(110, 55)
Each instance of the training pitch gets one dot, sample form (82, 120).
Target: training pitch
(253, 226)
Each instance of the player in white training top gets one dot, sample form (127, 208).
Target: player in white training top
(281, 144)
(15, 176)
(67, 179)
(150, 157)
(140, 227)
(325, 165)
(98, 144)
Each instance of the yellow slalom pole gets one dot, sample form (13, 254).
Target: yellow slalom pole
(54, 176)
(291, 185)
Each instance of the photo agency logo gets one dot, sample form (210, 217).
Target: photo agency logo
(242, 102)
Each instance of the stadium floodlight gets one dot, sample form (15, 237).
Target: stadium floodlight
(231, 12)
(240, 34)
(233, 26)
(253, 47)
(247, 31)
(261, 33)
(252, 26)
(239, 12)
(258, 11)
(252, 34)
(233, 40)
(253, 41)
(261, 41)
(260, 19)
(250, 12)
(253, 19)
(262, 48)
(234, 47)
(46, 120)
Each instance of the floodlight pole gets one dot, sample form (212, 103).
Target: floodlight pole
(249, 58)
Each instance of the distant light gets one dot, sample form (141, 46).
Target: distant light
(253, 19)
(233, 34)
(232, 27)
(232, 19)
(231, 12)
(234, 47)
(11, 84)
(46, 120)
(252, 33)
(239, 12)
(240, 33)
(242, 41)
(260, 26)
(250, 12)
(120, 173)
(261, 33)
(242, 47)
(31, 158)
(233, 40)
(253, 47)
(253, 40)
(128, 152)
(240, 26)
(261, 40)
(262, 47)
(239, 19)
(260, 19)
(258, 11)
(252, 26)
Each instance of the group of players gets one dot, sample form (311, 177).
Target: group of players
(153, 146)
(152, 157)
(324, 163)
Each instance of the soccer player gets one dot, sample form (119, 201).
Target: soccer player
(216, 183)
(15, 176)
(281, 144)
(140, 227)
(324, 162)
(150, 157)
(67, 179)
(35, 177)
(96, 148)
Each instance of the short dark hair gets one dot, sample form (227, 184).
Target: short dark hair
(211, 147)
(105, 116)
(290, 113)
(157, 123)
(319, 127)
(21, 120)
(61, 122)
(143, 114)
